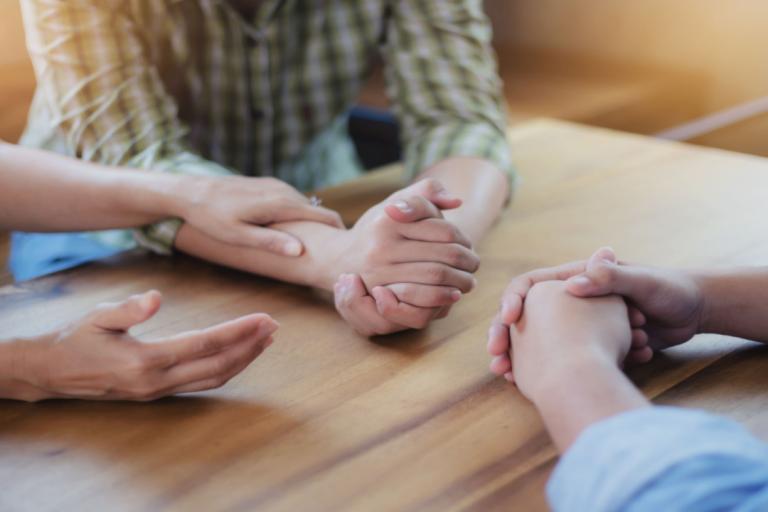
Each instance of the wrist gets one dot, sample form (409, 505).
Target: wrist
(23, 369)
(585, 393)
(154, 195)
(708, 286)
(560, 374)
(172, 195)
(331, 260)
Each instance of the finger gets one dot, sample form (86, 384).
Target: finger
(518, 288)
(270, 240)
(511, 308)
(308, 212)
(500, 365)
(412, 209)
(358, 308)
(434, 191)
(510, 376)
(434, 230)
(640, 356)
(401, 313)
(213, 371)
(452, 254)
(498, 339)
(636, 317)
(204, 343)
(444, 312)
(438, 274)
(606, 278)
(639, 338)
(121, 316)
(425, 296)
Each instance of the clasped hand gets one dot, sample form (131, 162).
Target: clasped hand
(406, 264)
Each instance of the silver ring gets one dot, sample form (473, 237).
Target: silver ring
(315, 201)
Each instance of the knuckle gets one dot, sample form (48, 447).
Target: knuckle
(431, 184)
(605, 274)
(145, 392)
(457, 257)
(139, 362)
(450, 233)
(220, 367)
(437, 273)
(218, 381)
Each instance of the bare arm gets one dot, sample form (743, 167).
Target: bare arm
(41, 191)
(381, 250)
(584, 392)
(482, 187)
(735, 302)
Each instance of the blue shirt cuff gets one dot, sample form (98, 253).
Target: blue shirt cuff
(615, 459)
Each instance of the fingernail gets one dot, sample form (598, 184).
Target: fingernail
(403, 206)
(343, 284)
(580, 281)
(509, 376)
(474, 283)
(456, 295)
(292, 248)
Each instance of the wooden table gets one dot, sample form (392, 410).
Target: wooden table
(326, 420)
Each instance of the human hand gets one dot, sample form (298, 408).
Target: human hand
(96, 358)
(238, 211)
(558, 332)
(512, 304)
(670, 303)
(417, 265)
(665, 306)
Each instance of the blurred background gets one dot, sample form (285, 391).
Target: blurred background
(692, 70)
(642, 66)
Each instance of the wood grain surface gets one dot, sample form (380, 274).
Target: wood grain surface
(328, 421)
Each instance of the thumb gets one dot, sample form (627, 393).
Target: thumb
(608, 278)
(435, 192)
(121, 316)
(604, 254)
(271, 240)
(595, 281)
(412, 209)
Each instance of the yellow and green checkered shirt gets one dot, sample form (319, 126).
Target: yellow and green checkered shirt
(194, 86)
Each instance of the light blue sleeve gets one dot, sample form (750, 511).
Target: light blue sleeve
(662, 458)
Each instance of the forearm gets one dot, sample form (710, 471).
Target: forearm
(735, 302)
(318, 266)
(582, 394)
(483, 188)
(41, 191)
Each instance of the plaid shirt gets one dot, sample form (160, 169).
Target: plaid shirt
(195, 87)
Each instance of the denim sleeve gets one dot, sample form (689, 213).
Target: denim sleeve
(662, 458)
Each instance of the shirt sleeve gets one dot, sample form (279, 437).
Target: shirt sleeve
(105, 97)
(443, 79)
(662, 458)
